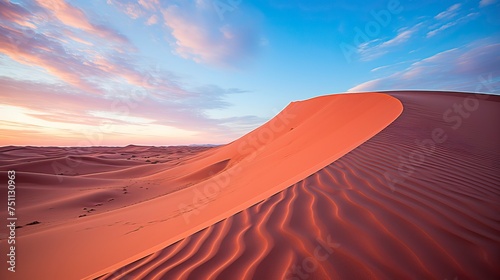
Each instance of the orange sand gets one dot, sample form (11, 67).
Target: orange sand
(146, 206)
(438, 222)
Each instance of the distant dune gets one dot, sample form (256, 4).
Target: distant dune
(399, 185)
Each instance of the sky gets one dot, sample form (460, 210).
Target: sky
(153, 72)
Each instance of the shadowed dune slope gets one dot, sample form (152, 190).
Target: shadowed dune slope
(188, 195)
(420, 200)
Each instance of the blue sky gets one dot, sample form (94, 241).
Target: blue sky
(80, 73)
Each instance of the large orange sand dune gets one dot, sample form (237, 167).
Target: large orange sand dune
(170, 199)
(390, 209)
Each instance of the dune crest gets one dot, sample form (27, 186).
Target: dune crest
(397, 207)
(305, 137)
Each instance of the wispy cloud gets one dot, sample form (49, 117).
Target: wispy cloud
(152, 20)
(368, 86)
(147, 10)
(39, 50)
(376, 48)
(441, 28)
(86, 72)
(429, 28)
(449, 13)
(201, 35)
(384, 67)
(84, 68)
(149, 4)
(454, 69)
(76, 18)
(12, 12)
(403, 36)
(445, 26)
(484, 3)
(204, 31)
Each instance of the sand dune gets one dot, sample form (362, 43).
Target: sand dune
(390, 209)
(59, 184)
(104, 215)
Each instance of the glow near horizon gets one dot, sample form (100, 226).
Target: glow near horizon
(197, 72)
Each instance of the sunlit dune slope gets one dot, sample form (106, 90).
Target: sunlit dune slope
(206, 188)
(420, 200)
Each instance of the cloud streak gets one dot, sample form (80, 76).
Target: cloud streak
(376, 48)
(454, 69)
(35, 49)
(76, 18)
(484, 3)
(12, 12)
(445, 26)
(449, 13)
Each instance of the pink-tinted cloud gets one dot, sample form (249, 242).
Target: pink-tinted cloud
(76, 38)
(201, 35)
(36, 50)
(149, 4)
(132, 76)
(155, 81)
(76, 18)
(138, 9)
(201, 30)
(60, 103)
(146, 9)
(130, 8)
(152, 20)
(49, 48)
(97, 82)
(84, 69)
(15, 13)
(481, 58)
(91, 72)
(367, 86)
